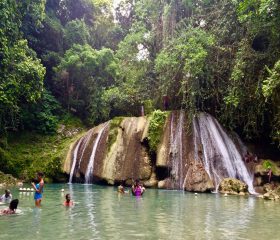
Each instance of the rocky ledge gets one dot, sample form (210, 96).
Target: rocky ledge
(233, 186)
(272, 192)
(8, 180)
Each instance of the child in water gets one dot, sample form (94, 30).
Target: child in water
(68, 202)
(121, 188)
(12, 208)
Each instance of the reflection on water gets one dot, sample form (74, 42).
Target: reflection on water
(101, 213)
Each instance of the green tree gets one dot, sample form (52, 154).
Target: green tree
(83, 74)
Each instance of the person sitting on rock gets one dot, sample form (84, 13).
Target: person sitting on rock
(137, 189)
(68, 202)
(7, 197)
(12, 208)
(269, 174)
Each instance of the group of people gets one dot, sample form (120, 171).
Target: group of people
(38, 195)
(137, 189)
(7, 198)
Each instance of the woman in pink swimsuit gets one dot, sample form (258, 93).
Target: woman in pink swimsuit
(137, 189)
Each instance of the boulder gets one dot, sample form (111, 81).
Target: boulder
(233, 186)
(272, 192)
(162, 184)
(197, 179)
(271, 196)
(7, 180)
(152, 182)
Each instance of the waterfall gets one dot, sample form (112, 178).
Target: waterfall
(81, 145)
(176, 149)
(74, 160)
(221, 157)
(89, 171)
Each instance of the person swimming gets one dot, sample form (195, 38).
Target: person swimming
(121, 188)
(68, 202)
(39, 188)
(137, 189)
(7, 197)
(12, 208)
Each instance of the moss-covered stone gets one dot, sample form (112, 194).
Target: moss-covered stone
(233, 186)
(155, 131)
(115, 123)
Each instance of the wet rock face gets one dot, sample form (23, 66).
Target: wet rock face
(125, 159)
(128, 157)
(197, 179)
(233, 186)
(261, 173)
(123, 154)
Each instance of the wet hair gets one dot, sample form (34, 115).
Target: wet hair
(13, 204)
(67, 195)
(40, 174)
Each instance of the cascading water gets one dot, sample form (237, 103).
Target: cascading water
(176, 150)
(220, 155)
(81, 146)
(74, 160)
(89, 171)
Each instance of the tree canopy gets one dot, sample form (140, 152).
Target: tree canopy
(98, 60)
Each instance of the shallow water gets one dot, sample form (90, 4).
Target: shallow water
(100, 213)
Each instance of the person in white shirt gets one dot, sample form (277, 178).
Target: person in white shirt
(7, 197)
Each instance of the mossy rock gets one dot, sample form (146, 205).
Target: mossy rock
(156, 124)
(264, 165)
(233, 186)
(115, 123)
(7, 179)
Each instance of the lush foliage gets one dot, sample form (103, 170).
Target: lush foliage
(21, 73)
(80, 57)
(22, 155)
(156, 125)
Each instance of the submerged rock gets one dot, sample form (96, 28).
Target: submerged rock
(233, 186)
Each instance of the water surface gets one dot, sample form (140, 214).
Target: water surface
(100, 213)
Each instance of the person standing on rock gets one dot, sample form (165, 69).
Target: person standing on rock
(269, 174)
(38, 189)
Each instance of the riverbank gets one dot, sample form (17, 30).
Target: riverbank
(23, 154)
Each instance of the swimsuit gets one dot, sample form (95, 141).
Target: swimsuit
(138, 191)
(38, 195)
